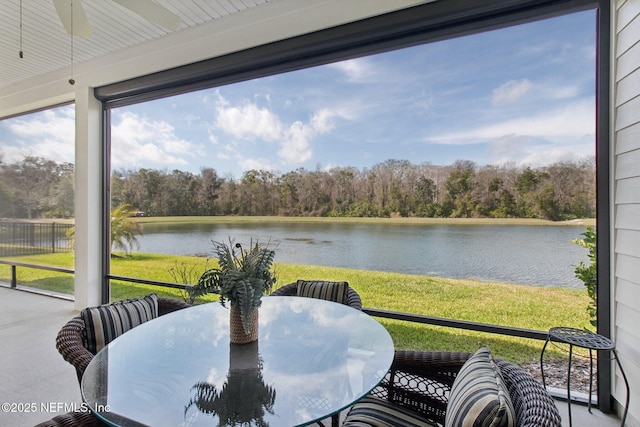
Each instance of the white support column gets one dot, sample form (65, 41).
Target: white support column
(88, 200)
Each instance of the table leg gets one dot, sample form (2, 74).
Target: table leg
(569, 384)
(335, 420)
(626, 383)
(544, 383)
(590, 378)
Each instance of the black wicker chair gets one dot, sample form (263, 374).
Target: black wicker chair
(353, 299)
(420, 382)
(70, 344)
(73, 419)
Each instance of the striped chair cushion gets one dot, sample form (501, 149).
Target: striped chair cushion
(331, 291)
(105, 323)
(372, 411)
(479, 396)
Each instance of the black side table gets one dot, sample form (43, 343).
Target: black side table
(588, 340)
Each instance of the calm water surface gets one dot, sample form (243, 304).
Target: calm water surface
(531, 255)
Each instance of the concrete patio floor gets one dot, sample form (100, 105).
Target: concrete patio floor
(33, 372)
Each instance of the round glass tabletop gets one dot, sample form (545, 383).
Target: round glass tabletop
(313, 358)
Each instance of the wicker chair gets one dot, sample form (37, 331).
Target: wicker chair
(73, 419)
(421, 381)
(353, 299)
(69, 341)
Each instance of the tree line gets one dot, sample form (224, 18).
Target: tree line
(36, 187)
(565, 190)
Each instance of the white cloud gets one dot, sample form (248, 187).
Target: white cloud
(570, 121)
(296, 144)
(511, 91)
(560, 92)
(136, 139)
(322, 122)
(357, 70)
(257, 164)
(528, 151)
(249, 122)
(561, 134)
(12, 154)
(49, 134)
(190, 119)
(551, 155)
(230, 152)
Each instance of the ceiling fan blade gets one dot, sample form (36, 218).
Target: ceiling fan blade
(152, 12)
(80, 23)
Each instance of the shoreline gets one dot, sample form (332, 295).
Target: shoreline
(580, 222)
(583, 222)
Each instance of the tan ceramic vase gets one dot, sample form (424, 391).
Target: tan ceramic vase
(237, 334)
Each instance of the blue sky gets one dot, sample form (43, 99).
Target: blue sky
(521, 95)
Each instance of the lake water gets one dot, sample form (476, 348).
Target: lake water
(530, 255)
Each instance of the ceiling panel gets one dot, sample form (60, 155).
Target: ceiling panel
(47, 46)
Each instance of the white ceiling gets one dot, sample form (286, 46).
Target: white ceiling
(47, 46)
(125, 45)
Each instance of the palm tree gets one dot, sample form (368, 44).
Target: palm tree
(124, 230)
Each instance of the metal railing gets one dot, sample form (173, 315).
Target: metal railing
(375, 312)
(458, 324)
(14, 265)
(171, 285)
(26, 238)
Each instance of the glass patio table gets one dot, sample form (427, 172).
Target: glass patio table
(313, 358)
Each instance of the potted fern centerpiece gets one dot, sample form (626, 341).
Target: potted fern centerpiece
(242, 277)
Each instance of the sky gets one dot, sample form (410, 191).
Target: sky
(523, 95)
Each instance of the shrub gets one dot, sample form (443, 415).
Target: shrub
(588, 274)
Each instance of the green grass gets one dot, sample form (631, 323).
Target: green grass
(519, 306)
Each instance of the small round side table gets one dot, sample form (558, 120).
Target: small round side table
(591, 341)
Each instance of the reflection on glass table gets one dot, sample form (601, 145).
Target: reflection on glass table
(313, 358)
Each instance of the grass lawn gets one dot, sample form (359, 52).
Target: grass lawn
(520, 306)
